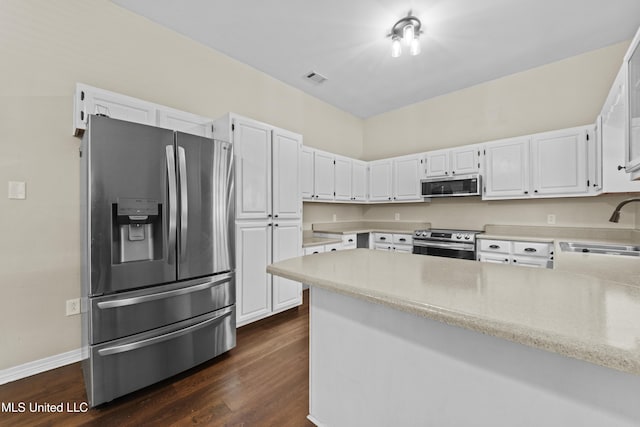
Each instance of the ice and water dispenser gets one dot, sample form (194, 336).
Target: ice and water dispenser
(136, 230)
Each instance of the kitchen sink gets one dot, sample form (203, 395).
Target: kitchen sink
(601, 248)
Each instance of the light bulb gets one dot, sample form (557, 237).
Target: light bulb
(408, 33)
(414, 48)
(396, 47)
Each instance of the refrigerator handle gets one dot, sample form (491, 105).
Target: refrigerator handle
(184, 204)
(173, 201)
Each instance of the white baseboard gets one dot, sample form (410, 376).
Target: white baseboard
(37, 366)
(313, 420)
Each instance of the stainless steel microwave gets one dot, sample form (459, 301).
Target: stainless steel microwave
(452, 186)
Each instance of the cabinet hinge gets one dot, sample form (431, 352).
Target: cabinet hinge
(233, 127)
(484, 152)
(334, 194)
(81, 95)
(587, 136)
(334, 162)
(588, 183)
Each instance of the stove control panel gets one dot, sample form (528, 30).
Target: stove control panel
(447, 235)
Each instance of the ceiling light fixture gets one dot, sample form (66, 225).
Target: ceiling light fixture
(409, 30)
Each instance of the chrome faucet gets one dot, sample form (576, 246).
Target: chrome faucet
(615, 216)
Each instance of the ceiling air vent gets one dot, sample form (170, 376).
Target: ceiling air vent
(316, 78)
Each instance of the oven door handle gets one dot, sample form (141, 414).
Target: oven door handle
(460, 247)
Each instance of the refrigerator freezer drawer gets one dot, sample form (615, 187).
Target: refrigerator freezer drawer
(129, 313)
(120, 367)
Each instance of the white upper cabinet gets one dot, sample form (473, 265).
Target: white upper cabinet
(286, 146)
(453, 161)
(306, 172)
(612, 136)
(632, 128)
(252, 151)
(507, 169)
(323, 177)
(380, 180)
(437, 163)
(465, 160)
(549, 164)
(185, 122)
(90, 100)
(559, 162)
(406, 178)
(358, 181)
(342, 178)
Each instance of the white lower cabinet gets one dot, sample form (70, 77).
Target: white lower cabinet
(515, 252)
(287, 241)
(258, 244)
(395, 242)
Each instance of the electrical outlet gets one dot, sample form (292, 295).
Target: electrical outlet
(397, 216)
(551, 219)
(335, 218)
(73, 306)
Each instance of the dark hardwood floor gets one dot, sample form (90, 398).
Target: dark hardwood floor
(263, 381)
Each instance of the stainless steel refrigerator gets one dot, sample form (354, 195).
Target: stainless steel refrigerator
(158, 281)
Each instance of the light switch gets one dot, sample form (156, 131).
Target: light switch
(17, 190)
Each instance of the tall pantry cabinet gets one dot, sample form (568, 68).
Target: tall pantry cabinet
(268, 213)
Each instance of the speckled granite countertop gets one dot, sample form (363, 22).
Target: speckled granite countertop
(576, 315)
(618, 268)
(349, 227)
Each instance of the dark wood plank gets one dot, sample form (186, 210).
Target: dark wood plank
(263, 381)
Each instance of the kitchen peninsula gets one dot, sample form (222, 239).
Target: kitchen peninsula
(400, 339)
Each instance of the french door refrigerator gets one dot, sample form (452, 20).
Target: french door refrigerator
(158, 279)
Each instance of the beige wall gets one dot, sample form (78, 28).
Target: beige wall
(46, 47)
(558, 95)
(562, 94)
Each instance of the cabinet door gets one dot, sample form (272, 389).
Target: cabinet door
(306, 172)
(253, 284)
(287, 243)
(465, 160)
(507, 169)
(323, 180)
(287, 203)
(406, 178)
(252, 148)
(633, 118)
(560, 162)
(185, 122)
(342, 178)
(90, 100)
(437, 163)
(380, 179)
(358, 180)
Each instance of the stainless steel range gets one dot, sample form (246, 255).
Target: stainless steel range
(445, 243)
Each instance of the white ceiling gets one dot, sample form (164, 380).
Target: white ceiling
(466, 41)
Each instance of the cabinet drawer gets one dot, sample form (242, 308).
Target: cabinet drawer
(310, 250)
(405, 249)
(534, 249)
(349, 241)
(383, 238)
(403, 239)
(333, 247)
(527, 261)
(497, 246)
(383, 246)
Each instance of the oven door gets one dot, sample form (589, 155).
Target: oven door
(444, 249)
